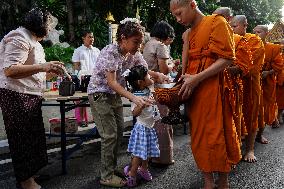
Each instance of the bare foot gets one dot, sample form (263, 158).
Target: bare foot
(209, 181)
(261, 139)
(223, 181)
(30, 184)
(249, 157)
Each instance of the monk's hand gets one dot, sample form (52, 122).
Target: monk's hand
(190, 82)
(234, 70)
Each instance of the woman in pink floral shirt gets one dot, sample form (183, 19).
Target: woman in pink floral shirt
(106, 87)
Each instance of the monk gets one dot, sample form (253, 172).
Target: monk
(226, 12)
(273, 64)
(234, 73)
(280, 89)
(214, 141)
(252, 87)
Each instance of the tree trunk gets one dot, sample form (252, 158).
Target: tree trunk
(69, 6)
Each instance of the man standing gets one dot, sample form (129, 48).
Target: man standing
(84, 59)
(234, 74)
(273, 64)
(214, 140)
(252, 88)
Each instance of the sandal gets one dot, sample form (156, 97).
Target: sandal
(114, 181)
(131, 181)
(145, 174)
(126, 170)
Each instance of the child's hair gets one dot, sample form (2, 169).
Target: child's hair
(129, 29)
(136, 73)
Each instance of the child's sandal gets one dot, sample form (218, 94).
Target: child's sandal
(131, 181)
(145, 174)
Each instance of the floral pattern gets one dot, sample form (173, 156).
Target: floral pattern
(110, 59)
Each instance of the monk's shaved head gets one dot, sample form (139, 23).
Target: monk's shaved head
(225, 11)
(239, 19)
(262, 27)
(239, 24)
(261, 31)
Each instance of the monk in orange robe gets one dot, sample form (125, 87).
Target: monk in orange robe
(251, 82)
(233, 78)
(214, 140)
(273, 64)
(280, 88)
(234, 74)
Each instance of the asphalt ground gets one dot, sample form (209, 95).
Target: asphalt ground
(83, 167)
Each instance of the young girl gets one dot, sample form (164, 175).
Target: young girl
(143, 142)
(106, 87)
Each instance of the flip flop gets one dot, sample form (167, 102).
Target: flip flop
(115, 182)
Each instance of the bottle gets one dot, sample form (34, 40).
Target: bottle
(58, 81)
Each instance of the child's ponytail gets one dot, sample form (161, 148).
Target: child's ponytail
(133, 75)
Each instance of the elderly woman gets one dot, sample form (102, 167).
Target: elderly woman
(157, 55)
(22, 72)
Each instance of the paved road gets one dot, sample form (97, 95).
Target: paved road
(83, 168)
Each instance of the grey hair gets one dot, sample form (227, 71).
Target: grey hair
(240, 19)
(262, 27)
(224, 11)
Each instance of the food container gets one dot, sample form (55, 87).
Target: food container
(71, 125)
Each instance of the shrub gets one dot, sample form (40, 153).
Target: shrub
(59, 53)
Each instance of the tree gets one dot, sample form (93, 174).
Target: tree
(256, 11)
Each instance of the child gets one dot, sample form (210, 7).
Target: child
(143, 142)
(106, 88)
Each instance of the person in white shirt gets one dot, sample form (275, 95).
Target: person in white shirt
(84, 59)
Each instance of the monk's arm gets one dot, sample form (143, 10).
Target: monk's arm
(191, 81)
(214, 69)
(185, 49)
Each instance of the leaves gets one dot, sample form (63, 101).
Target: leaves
(59, 53)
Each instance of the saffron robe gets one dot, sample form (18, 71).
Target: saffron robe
(214, 140)
(234, 82)
(273, 60)
(280, 90)
(252, 87)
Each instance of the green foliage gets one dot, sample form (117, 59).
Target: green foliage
(58, 53)
(256, 11)
(55, 7)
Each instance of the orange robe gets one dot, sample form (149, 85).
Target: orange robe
(214, 140)
(273, 60)
(280, 90)
(234, 82)
(252, 87)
